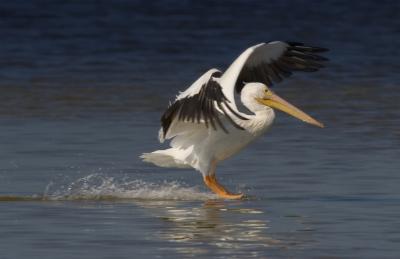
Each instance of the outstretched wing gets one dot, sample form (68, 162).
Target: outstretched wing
(202, 103)
(270, 63)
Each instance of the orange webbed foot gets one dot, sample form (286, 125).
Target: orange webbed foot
(218, 189)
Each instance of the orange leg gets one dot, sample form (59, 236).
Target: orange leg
(213, 184)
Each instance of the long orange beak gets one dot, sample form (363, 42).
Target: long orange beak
(274, 101)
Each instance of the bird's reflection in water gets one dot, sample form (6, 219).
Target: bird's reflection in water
(214, 226)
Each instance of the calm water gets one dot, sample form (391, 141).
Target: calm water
(83, 85)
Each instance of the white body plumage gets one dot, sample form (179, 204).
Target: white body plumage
(199, 146)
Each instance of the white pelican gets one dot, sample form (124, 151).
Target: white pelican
(204, 123)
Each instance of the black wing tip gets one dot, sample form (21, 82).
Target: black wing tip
(294, 43)
(310, 48)
(297, 56)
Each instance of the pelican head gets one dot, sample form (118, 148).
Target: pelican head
(258, 97)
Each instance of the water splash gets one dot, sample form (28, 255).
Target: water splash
(100, 187)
